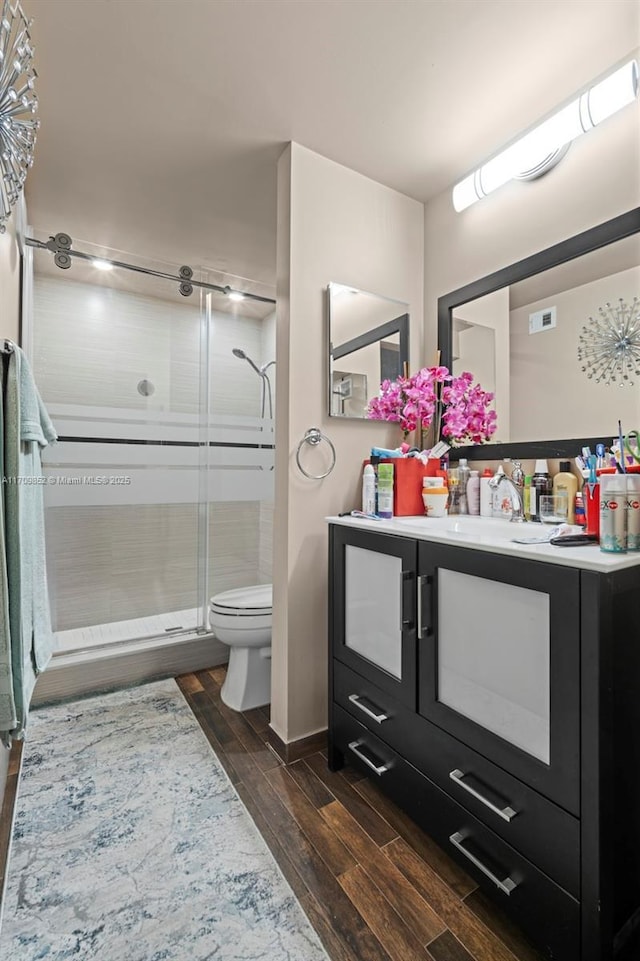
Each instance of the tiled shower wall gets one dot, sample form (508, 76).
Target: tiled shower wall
(92, 347)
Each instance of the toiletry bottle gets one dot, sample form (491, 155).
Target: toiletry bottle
(434, 496)
(526, 498)
(369, 490)
(473, 492)
(579, 513)
(385, 490)
(486, 493)
(567, 482)
(463, 480)
(613, 513)
(633, 512)
(541, 483)
(375, 461)
(454, 490)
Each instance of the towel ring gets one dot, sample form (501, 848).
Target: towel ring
(314, 436)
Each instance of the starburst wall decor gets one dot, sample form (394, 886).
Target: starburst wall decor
(609, 344)
(18, 104)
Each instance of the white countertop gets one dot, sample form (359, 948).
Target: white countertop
(494, 535)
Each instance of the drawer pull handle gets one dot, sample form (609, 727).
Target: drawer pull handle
(378, 768)
(506, 886)
(378, 718)
(506, 813)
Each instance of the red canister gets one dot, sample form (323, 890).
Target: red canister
(591, 497)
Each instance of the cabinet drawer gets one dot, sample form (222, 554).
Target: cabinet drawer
(537, 827)
(549, 914)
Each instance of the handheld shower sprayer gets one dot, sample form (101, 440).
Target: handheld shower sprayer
(262, 374)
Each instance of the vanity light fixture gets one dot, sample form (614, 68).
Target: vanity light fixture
(541, 148)
(18, 104)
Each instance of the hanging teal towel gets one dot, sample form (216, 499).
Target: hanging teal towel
(26, 638)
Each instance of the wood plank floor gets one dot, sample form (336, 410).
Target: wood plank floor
(374, 886)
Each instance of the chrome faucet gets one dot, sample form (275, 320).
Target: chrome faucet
(515, 493)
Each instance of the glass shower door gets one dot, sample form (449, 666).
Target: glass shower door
(121, 361)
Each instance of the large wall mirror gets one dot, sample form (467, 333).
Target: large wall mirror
(517, 330)
(368, 342)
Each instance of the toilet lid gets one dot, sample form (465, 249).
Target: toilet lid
(250, 600)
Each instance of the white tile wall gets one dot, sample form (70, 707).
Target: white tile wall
(110, 564)
(92, 347)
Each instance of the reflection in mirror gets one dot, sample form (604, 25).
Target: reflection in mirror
(368, 343)
(522, 336)
(481, 345)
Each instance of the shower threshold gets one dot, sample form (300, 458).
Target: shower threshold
(158, 626)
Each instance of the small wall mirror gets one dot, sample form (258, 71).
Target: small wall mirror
(368, 342)
(518, 330)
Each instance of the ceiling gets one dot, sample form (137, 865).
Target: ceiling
(163, 120)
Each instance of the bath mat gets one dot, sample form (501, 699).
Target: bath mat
(131, 844)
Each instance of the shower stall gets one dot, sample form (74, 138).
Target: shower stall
(159, 492)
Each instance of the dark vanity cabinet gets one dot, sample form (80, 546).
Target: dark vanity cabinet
(497, 700)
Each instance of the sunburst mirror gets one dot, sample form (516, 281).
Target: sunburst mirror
(18, 105)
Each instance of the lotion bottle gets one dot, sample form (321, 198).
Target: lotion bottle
(567, 482)
(385, 490)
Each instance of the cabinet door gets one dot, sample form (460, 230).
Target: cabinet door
(372, 608)
(499, 662)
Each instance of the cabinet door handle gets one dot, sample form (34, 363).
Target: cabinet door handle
(506, 813)
(506, 886)
(378, 718)
(378, 768)
(424, 580)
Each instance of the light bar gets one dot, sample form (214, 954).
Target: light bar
(541, 148)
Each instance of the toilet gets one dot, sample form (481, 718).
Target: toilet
(242, 619)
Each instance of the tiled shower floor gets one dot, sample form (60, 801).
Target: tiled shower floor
(158, 624)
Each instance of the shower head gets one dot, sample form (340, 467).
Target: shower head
(242, 355)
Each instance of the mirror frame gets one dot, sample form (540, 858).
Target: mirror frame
(625, 225)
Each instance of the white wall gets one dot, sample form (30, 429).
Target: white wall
(9, 283)
(545, 367)
(598, 179)
(333, 225)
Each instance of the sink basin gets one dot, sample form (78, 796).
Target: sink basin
(479, 528)
(492, 527)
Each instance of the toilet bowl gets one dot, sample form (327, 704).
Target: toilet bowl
(242, 619)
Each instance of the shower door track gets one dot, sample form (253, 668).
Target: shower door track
(170, 635)
(60, 247)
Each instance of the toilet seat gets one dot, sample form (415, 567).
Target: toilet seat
(245, 602)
